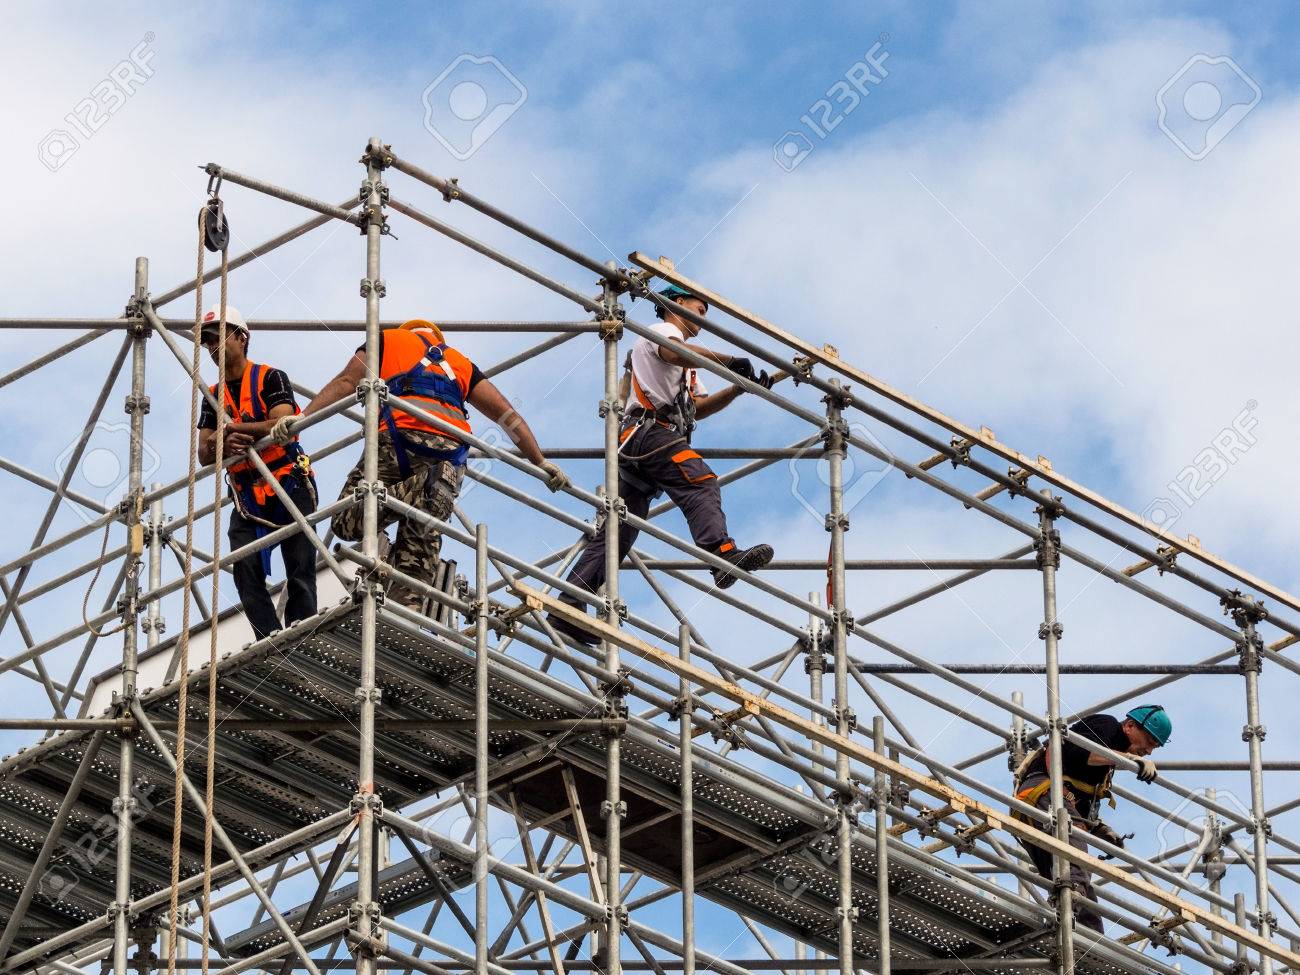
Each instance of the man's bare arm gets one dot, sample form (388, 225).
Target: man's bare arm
(341, 386)
(488, 399)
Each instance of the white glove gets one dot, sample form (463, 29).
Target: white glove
(281, 433)
(1146, 769)
(556, 479)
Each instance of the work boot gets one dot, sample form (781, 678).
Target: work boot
(572, 630)
(747, 559)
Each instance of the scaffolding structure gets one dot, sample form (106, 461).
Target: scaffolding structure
(646, 758)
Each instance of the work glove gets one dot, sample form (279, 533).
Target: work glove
(280, 433)
(1104, 832)
(1146, 769)
(742, 367)
(556, 479)
(765, 380)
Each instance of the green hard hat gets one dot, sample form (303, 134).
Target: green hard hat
(1153, 719)
(673, 293)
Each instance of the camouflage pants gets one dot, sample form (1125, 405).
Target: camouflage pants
(432, 487)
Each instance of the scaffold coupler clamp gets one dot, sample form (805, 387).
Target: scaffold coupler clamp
(1255, 825)
(845, 716)
(1245, 611)
(1020, 481)
(1055, 629)
(451, 189)
(1047, 547)
(375, 695)
(612, 912)
(611, 324)
(801, 369)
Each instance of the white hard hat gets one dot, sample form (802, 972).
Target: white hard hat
(212, 318)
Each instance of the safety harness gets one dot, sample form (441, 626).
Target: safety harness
(1032, 793)
(288, 463)
(432, 380)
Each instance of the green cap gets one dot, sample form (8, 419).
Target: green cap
(1153, 719)
(673, 293)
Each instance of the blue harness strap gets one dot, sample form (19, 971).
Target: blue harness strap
(430, 384)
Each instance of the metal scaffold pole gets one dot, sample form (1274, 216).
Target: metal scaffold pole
(137, 405)
(154, 624)
(881, 799)
(481, 741)
(372, 289)
(1247, 613)
(837, 523)
(613, 808)
(1049, 560)
(686, 739)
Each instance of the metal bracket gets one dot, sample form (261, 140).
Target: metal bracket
(374, 695)
(611, 328)
(802, 369)
(118, 805)
(680, 706)
(1253, 731)
(378, 385)
(377, 286)
(1048, 547)
(451, 189)
(606, 407)
(1244, 610)
(840, 397)
(1256, 824)
(842, 522)
(845, 715)
(366, 800)
(851, 913)
(1249, 654)
(618, 505)
(845, 617)
(611, 912)
(620, 808)
(134, 403)
(1056, 630)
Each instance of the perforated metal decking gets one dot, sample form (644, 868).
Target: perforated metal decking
(755, 845)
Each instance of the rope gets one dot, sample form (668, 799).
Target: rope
(186, 590)
(85, 603)
(218, 482)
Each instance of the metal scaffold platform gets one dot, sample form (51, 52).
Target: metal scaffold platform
(373, 765)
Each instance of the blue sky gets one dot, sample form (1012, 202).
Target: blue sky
(999, 227)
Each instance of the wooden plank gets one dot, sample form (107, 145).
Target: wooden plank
(995, 818)
(830, 358)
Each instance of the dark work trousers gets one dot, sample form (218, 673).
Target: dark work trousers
(1083, 913)
(299, 566)
(656, 459)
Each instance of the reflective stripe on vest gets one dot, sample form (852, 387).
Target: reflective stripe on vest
(280, 459)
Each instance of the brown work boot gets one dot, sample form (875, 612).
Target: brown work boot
(746, 559)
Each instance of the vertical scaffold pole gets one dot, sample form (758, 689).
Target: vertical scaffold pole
(137, 405)
(1017, 746)
(376, 159)
(1247, 613)
(837, 523)
(882, 849)
(815, 664)
(1212, 859)
(686, 738)
(154, 624)
(613, 808)
(481, 756)
(1049, 631)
